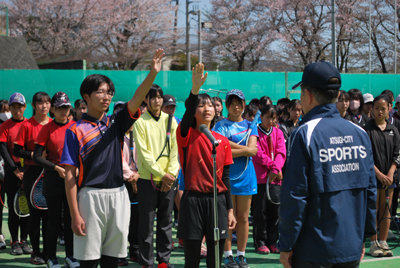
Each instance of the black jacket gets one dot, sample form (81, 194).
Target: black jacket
(287, 128)
(385, 145)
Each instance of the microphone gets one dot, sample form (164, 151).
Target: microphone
(204, 129)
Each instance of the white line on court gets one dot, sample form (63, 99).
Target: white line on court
(381, 259)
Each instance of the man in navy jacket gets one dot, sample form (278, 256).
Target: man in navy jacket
(328, 197)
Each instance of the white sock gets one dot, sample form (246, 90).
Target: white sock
(240, 253)
(381, 241)
(228, 253)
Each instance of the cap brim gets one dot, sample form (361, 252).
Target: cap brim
(169, 103)
(297, 85)
(22, 103)
(63, 104)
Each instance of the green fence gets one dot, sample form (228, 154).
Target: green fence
(178, 83)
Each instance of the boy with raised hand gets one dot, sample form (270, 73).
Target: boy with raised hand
(98, 200)
(158, 166)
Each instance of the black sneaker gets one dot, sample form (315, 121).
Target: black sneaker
(37, 259)
(230, 263)
(26, 248)
(123, 262)
(16, 248)
(241, 261)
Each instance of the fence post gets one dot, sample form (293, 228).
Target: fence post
(287, 93)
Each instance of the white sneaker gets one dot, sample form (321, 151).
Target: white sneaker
(391, 236)
(375, 250)
(71, 262)
(3, 244)
(53, 264)
(386, 250)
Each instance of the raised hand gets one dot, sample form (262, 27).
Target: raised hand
(198, 78)
(156, 62)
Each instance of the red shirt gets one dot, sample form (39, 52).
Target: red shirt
(27, 136)
(195, 154)
(8, 134)
(52, 137)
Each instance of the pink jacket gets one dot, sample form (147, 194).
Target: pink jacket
(262, 161)
(126, 168)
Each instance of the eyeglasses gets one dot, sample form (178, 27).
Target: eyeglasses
(102, 94)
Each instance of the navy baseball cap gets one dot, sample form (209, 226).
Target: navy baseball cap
(235, 92)
(17, 98)
(60, 99)
(317, 75)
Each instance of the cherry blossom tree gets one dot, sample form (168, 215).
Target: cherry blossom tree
(120, 31)
(239, 31)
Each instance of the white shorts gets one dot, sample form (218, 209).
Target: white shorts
(106, 213)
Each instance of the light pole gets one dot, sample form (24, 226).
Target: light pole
(333, 34)
(395, 36)
(369, 36)
(187, 36)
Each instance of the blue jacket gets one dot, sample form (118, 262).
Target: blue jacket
(328, 197)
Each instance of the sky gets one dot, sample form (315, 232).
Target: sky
(202, 5)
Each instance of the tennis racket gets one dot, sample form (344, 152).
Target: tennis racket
(37, 199)
(391, 220)
(271, 149)
(237, 170)
(21, 207)
(163, 158)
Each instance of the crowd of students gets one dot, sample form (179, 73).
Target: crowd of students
(165, 162)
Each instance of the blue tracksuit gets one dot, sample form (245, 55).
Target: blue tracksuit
(328, 197)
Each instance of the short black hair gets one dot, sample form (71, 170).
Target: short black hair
(153, 91)
(92, 83)
(324, 96)
(3, 103)
(268, 108)
(355, 93)
(72, 112)
(78, 103)
(143, 104)
(293, 103)
(118, 106)
(264, 100)
(202, 98)
(389, 93)
(255, 102)
(38, 97)
(343, 94)
(384, 97)
(284, 101)
(250, 108)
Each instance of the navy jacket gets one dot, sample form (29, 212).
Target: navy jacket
(328, 197)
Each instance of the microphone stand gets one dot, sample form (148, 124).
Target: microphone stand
(216, 229)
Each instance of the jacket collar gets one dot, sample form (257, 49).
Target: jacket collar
(94, 121)
(321, 111)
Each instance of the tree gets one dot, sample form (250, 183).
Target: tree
(98, 30)
(238, 31)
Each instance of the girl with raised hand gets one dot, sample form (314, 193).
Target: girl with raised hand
(195, 150)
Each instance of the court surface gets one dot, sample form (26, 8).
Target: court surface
(177, 259)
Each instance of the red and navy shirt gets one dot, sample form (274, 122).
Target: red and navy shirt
(52, 137)
(27, 136)
(8, 134)
(195, 153)
(95, 147)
